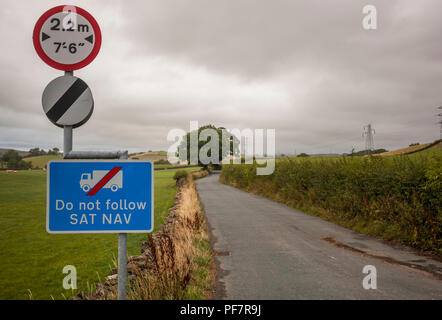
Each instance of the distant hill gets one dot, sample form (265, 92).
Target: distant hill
(413, 149)
(150, 156)
(20, 152)
(365, 152)
(41, 161)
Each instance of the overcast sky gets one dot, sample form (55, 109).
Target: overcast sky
(305, 68)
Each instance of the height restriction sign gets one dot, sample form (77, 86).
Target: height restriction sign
(67, 38)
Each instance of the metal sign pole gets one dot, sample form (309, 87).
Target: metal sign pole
(67, 140)
(122, 265)
(122, 258)
(122, 237)
(67, 130)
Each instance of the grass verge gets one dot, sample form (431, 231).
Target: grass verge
(42, 161)
(31, 260)
(176, 261)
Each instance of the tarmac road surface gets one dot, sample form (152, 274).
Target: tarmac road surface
(266, 250)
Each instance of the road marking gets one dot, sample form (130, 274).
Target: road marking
(103, 181)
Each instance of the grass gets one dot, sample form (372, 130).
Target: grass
(182, 264)
(41, 161)
(414, 149)
(396, 198)
(31, 259)
(202, 276)
(202, 264)
(150, 156)
(170, 165)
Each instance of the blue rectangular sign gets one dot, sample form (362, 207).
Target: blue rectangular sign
(99, 196)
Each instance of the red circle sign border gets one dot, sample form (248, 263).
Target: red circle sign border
(55, 64)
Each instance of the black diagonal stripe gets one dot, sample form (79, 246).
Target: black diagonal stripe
(67, 100)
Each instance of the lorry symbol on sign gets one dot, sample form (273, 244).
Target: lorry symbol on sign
(88, 181)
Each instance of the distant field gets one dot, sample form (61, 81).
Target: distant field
(155, 156)
(169, 166)
(433, 151)
(41, 161)
(32, 259)
(412, 149)
(334, 157)
(150, 156)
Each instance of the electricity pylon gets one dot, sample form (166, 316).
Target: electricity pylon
(368, 134)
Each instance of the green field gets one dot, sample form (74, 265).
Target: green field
(150, 156)
(41, 161)
(32, 259)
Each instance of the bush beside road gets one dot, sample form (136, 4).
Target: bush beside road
(396, 198)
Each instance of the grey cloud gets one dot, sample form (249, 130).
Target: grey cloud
(305, 68)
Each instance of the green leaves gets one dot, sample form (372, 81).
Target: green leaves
(397, 197)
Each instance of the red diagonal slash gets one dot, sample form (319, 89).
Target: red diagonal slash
(103, 181)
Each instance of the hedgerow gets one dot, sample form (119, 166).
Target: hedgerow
(392, 197)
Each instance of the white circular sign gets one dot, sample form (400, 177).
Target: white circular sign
(65, 41)
(68, 101)
(67, 37)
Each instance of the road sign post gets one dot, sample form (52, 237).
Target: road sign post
(122, 265)
(68, 101)
(122, 260)
(67, 130)
(67, 140)
(99, 196)
(68, 38)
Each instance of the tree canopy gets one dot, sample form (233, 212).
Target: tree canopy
(204, 136)
(13, 160)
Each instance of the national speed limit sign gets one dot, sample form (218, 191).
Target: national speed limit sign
(67, 101)
(67, 38)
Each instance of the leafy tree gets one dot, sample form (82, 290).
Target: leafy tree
(303, 155)
(13, 160)
(20, 165)
(229, 140)
(36, 152)
(11, 155)
(180, 174)
(161, 161)
(55, 151)
(365, 152)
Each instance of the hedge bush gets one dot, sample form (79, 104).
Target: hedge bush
(180, 174)
(393, 197)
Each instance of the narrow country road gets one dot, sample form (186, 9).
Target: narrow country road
(266, 250)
